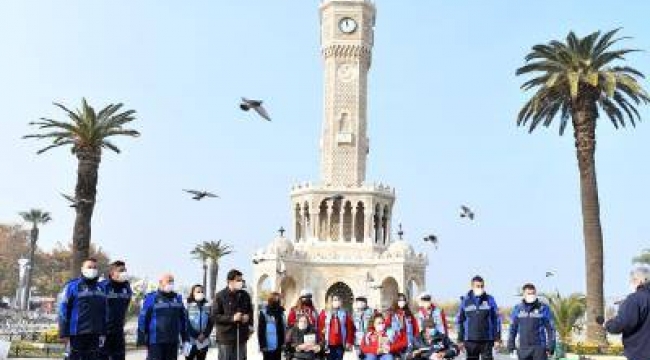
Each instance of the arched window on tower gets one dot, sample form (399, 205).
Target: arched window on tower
(377, 223)
(347, 222)
(298, 221)
(359, 220)
(323, 230)
(384, 223)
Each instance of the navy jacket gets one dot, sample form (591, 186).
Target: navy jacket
(533, 324)
(118, 297)
(438, 342)
(478, 318)
(162, 320)
(82, 308)
(633, 321)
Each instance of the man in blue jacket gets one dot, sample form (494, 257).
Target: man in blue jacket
(633, 317)
(479, 325)
(118, 293)
(82, 314)
(532, 322)
(162, 321)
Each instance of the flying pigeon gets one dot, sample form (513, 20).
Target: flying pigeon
(466, 212)
(433, 239)
(199, 195)
(550, 273)
(256, 105)
(75, 202)
(335, 197)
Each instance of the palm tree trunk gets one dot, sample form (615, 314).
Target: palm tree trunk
(85, 193)
(30, 271)
(214, 272)
(584, 124)
(205, 278)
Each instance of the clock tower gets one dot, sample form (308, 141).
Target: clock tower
(346, 43)
(341, 242)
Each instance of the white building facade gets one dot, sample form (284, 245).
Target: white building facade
(341, 241)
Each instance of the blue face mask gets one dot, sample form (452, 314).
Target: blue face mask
(433, 332)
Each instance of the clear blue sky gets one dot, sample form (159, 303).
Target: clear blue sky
(443, 100)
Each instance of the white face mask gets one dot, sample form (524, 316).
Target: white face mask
(380, 327)
(359, 305)
(122, 276)
(89, 273)
(168, 288)
(302, 325)
(238, 285)
(336, 304)
(401, 304)
(633, 286)
(530, 298)
(199, 297)
(425, 304)
(478, 291)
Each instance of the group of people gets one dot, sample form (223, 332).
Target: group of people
(404, 333)
(92, 317)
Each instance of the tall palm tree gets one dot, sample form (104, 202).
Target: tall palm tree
(199, 254)
(644, 258)
(35, 217)
(578, 80)
(87, 133)
(213, 252)
(567, 315)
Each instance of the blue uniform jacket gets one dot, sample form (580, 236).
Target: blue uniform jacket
(633, 321)
(478, 318)
(118, 297)
(82, 308)
(162, 320)
(533, 324)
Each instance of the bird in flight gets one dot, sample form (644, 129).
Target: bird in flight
(247, 104)
(550, 273)
(200, 195)
(466, 212)
(432, 239)
(335, 197)
(75, 202)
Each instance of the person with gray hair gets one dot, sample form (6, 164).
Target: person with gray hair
(633, 317)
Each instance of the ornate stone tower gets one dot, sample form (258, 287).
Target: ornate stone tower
(341, 241)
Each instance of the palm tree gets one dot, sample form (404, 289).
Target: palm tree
(567, 315)
(87, 134)
(577, 80)
(199, 254)
(644, 258)
(35, 217)
(212, 251)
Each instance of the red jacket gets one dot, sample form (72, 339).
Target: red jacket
(332, 339)
(312, 315)
(370, 343)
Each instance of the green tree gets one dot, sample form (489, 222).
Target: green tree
(14, 244)
(643, 259)
(577, 79)
(200, 255)
(35, 217)
(568, 313)
(213, 252)
(87, 132)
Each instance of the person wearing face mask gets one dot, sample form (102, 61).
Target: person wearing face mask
(429, 310)
(382, 342)
(162, 321)
(362, 316)
(432, 344)
(82, 314)
(270, 328)
(199, 323)
(532, 323)
(305, 306)
(302, 340)
(478, 321)
(633, 317)
(118, 293)
(401, 319)
(232, 314)
(336, 329)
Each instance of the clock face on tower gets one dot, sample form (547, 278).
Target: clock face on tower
(347, 25)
